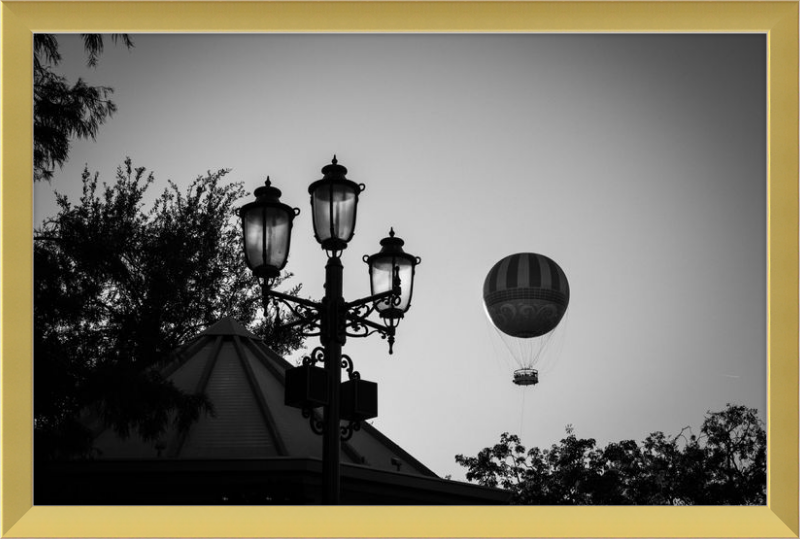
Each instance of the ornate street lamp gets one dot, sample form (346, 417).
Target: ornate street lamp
(267, 230)
(334, 200)
(267, 225)
(384, 267)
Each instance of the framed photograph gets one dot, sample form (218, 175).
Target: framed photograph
(602, 76)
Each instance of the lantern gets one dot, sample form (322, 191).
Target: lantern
(383, 266)
(334, 200)
(267, 230)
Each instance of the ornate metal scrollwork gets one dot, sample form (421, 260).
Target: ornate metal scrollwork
(360, 326)
(317, 356)
(362, 311)
(348, 430)
(317, 425)
(347, 363)
(358, 330)
(305, 317)
(395, 301)
(306, 313)
(390, 338)
(357, 312)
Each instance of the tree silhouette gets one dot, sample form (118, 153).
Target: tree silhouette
(724, 465)
(117, 289)
(62, 111)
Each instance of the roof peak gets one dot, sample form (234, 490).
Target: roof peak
(229, 326)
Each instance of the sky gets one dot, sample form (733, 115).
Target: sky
(637, 162)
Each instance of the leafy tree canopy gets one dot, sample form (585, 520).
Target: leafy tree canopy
(63, 111)
(118, 288)
(724, 465)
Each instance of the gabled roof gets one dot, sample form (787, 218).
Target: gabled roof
(244, 380)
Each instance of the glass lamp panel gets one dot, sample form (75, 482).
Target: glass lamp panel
(253, 243)
(334, 208)
(266, 235)
(382, 280)
(381, 276)
(406, 274)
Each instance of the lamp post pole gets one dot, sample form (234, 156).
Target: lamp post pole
(266, 227)
(333, 340)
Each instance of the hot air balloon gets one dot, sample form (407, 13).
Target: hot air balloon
(525, 296)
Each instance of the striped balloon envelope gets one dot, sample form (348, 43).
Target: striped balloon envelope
(526, 296)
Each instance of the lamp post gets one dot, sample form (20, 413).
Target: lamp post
(266, 227)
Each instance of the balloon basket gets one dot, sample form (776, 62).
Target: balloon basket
(526, 377)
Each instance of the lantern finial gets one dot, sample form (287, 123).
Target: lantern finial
(391, 232)
(334, 161)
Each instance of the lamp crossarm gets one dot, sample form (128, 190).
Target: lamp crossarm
(356, 320)
(366, 328)
(293, 299)
(308, 313)
(372, 299)
(310, 320)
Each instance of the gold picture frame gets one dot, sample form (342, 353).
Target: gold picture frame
(778, 20)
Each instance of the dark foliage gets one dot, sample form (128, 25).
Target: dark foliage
(724, 465)
(117, 289)
(63, 111)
